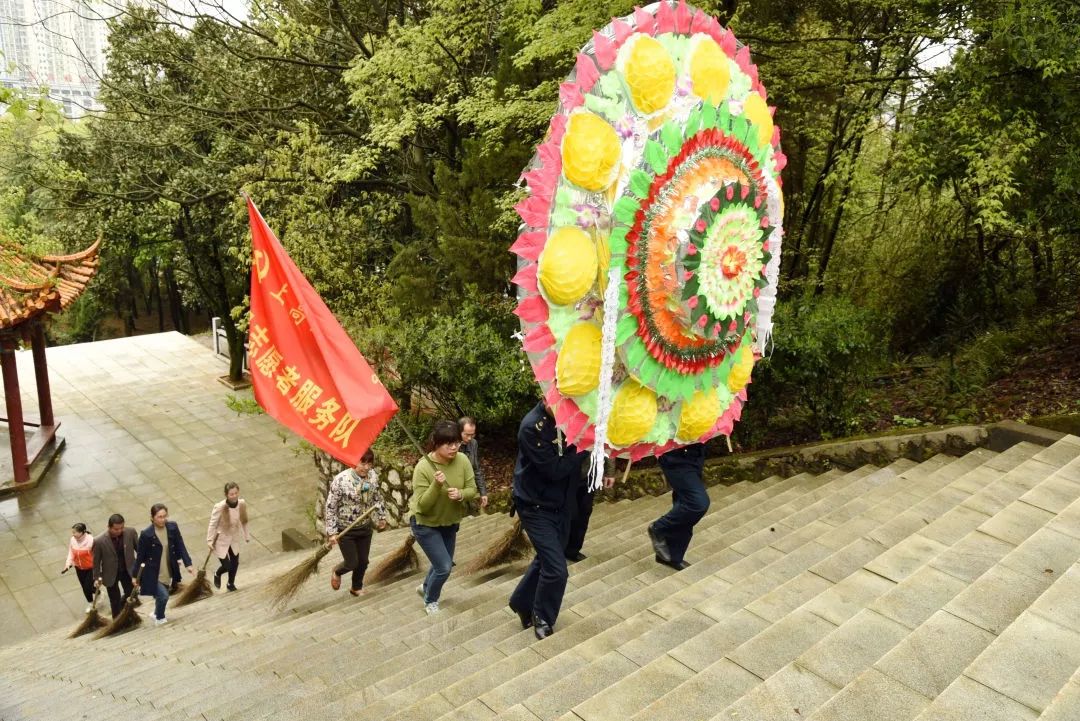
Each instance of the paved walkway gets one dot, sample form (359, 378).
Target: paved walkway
(145, 421)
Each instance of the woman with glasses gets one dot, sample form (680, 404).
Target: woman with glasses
(443, 483)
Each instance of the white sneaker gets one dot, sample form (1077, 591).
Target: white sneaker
(420, 591)
(160, 621)
(432, 608)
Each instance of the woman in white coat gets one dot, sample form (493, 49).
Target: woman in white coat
(228, 524)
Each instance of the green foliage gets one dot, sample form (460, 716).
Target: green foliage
(821, 363)
(462, 361)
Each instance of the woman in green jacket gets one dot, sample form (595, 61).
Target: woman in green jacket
(443, 483)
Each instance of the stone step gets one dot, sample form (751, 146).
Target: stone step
(610, 667)
(724, 673)
(871, 632)
(961, 624)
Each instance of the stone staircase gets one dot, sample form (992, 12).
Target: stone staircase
(948, 589)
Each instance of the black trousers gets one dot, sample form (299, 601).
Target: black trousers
(355, 547)
(86, 580)
(689, 504)
(579, 523)
(229, 565)
(116, 598)
(542, 587)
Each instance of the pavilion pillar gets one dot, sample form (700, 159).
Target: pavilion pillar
(41, 373)
(16, 429)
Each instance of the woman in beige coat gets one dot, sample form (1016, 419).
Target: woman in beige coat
(228, 523)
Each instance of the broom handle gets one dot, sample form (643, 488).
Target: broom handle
(362, 517)
(135, 586)
(626, 473)
(416, 445)
(209, 553)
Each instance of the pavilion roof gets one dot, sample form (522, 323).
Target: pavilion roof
(32, 286)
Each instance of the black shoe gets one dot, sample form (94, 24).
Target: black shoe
(217, 581)
(231, 587)
(524, 616)
(660, 547)
(542, 629)
(677, 565)
(575, 557)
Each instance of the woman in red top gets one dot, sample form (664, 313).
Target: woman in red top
(81, 556)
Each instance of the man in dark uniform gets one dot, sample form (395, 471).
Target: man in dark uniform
(670, 534)
(583, 505)
(546, 477)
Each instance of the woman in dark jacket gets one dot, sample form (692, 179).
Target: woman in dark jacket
(161, 548)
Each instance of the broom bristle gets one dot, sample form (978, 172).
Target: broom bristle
(127, 619)
(283, 588)
(195, 591)
(399, 562)
(92, 622)
(511, 546)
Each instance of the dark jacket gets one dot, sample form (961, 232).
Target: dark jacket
(547, 471)
(106, 564)
(685, 461)
(149, 552)
(472, 452)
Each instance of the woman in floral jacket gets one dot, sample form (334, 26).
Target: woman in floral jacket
(352, 492)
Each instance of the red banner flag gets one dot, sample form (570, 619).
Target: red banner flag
(306, 371)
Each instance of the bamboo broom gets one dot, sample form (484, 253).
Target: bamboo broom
(401, 561)
(199, 588)
(92, 620)
(128, 618)
(512, 545)
(283, 588)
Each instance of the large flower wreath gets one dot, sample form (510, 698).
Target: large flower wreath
(650, 245)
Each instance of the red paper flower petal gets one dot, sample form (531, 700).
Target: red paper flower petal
(644, 21)
(526, 278)
(544, 369)
(604, 50)
(665, 19)
(557, 129)
(683, 16)
(570, 97)
(587, 73)
(529, 245)
(534, 211)
(623, 30)
(726, 39)
(532, 309)
(699, 23)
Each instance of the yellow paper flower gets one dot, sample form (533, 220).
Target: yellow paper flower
(650, 74)
(568, 265)
(741, 369)
(633, 414)
(709, 70)
(590, 151)
(757, 112)
(698, 415)
(577, 371)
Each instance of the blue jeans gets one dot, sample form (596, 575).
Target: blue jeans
(161, 597)
(438, 544)
(540, 590)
